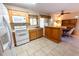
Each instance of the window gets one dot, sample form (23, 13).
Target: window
(42, 22)
(33, 21)
(19, 19)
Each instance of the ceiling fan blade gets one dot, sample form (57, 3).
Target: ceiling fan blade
(62, 13)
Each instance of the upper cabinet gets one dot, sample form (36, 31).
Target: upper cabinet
(69, 23)
(18, 13)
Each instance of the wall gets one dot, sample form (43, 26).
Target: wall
(24, 10)
(70, 16)
(77, 24)
(56, 20)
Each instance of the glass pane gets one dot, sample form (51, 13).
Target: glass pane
(19, 19)
(33, 21)
(42, 22)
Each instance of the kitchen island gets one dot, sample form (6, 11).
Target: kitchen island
(53, 33)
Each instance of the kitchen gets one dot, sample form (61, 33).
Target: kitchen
(27, 26)
(32, 23)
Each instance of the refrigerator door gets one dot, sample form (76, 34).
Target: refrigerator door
(8, 47)
(5, 32)
(5, 37)
(1, 48)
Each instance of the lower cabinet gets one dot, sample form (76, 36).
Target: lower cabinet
(35, 33)
(39, 33)
(53, 33)
(32, 34)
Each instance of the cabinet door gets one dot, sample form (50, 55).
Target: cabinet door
(32, 34)
(65, 23)
(56, 35)
(48, 32)
(39, 33)
(53, 34)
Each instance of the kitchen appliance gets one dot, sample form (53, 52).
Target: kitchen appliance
(20, 29)
(6, 43)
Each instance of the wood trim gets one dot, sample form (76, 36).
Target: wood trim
(14, 38)
(10, 18)
(69, 22)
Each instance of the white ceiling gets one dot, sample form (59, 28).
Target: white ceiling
(49, 7)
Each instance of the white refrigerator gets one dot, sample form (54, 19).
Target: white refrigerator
(6, 39)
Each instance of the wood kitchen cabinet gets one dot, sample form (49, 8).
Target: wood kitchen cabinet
(35, 33)
(69, 23)
(48, 33)
(39, 32)
(53, 33)
(32, 34)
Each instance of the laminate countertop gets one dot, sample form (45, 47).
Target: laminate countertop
(62, 27)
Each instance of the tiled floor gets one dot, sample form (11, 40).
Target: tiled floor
(45, 47)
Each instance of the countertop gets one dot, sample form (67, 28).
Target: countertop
(62, 27)
(52, 27)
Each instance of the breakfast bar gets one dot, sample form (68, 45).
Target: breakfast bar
(53, 33)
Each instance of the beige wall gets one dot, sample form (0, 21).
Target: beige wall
(66, 16)
(70, 16)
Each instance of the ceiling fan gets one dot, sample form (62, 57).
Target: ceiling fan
(62, 13)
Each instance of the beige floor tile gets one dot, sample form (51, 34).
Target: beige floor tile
(44, 47)
(40, 53)
(23, 54)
